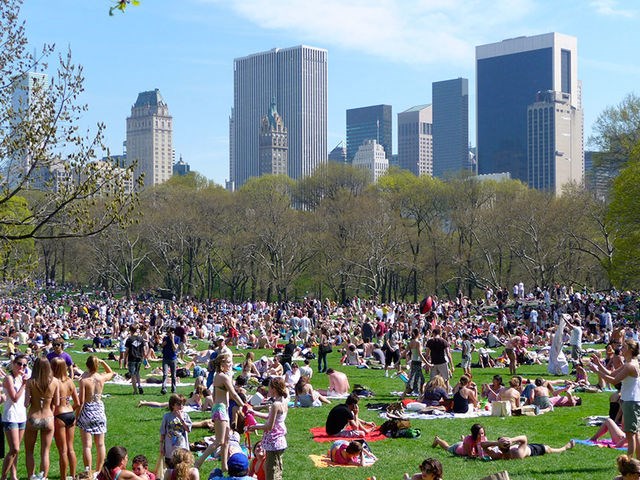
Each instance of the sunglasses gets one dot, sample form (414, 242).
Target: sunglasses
(20, 364)
(57, 344)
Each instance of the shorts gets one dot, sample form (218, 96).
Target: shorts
(392, 357)
(631, 416)
(14, 425)
(466, 362)
(453, 448)
(133, 367)
(219, 412)
(537, 449)
(441, 369)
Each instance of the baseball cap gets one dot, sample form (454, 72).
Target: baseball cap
(219, 337)
(237, 464)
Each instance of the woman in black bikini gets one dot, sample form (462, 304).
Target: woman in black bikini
(65, 421)
(42, 394)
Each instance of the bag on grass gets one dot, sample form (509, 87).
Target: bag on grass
(409, 433)
(391, 427)
(501, 408)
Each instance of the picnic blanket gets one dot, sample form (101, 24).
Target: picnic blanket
(320, 435)
(323, 461)
(438, 414)
(602, 443)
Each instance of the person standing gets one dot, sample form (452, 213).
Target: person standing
(14, 417)
(274, 440)
(65, 419)
(417, 357)
(169, 360)
(135, 351)
(629, 375)
(439, 355)
(58, 352)
(42, 394)
(175, 428)
(92, 419)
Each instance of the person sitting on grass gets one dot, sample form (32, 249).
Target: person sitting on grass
(517, 448)
(434, 393)
(628, 467)
(238, 465)
(338, 384)
(140, 466)
(470, 446)
(492, 391)
(350, 453)
(430, 469)
(346, 415)
(464, 395)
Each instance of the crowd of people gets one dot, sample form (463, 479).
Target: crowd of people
(40, 395)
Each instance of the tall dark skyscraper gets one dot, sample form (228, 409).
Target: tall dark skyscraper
(509, 76)
(369, 123)
(450, 105)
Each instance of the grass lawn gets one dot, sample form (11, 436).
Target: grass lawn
(138, 430)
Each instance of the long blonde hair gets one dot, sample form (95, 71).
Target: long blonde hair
(41, 375)
(182, 463)
(59, 368)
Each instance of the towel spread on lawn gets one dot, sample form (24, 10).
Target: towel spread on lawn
(602, 443)
(323, 461)
(320, 435)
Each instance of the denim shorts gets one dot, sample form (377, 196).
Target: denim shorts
(14, 425)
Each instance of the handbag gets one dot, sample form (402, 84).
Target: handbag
(501, 408)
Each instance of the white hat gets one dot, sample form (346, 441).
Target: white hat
(219, 337)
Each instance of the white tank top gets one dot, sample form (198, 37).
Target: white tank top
(630, 391)
(15, 412)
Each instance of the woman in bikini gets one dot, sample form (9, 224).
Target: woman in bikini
(14, 417)
(42, 395)
(222, 390)
(92, 419)
(65, 421)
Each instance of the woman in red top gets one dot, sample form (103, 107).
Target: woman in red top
(256, 468)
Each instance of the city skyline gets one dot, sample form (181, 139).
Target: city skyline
(187, 53)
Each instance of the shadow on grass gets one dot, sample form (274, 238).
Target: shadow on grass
(565, 471)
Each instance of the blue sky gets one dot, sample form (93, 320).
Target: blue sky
(380, 51)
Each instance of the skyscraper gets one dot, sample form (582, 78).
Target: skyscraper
(297, 78)
(450, 126)
(415, 140)
(554, 130)
(273, 144)
(371, 156)
(509, 75)
(150, 138)
(369, 123)
(29, 110)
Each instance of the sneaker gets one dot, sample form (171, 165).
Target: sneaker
(163, 391)
(140, 391)
(386, 373)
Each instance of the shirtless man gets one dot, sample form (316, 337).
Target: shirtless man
(517, 448)
(338, 384)
(512, 394)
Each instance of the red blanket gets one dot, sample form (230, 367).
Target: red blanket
(320, 435)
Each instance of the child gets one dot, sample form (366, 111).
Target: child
(238, 465)
(175, 428)
(140, 466)
(350, 453)
(257, 462)
(430, 469)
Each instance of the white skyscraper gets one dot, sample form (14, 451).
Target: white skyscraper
(150, 138)
(371, 156)
(296, 78)
(415, 140)
(29, 109)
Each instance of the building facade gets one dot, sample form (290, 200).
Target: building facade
(509, 75)
(372, 157)
(415, 140)
(450, 126)
(273, 144)
(297, 78)
(150, 138)
(338, 154)
(554, 143)
(369, 123)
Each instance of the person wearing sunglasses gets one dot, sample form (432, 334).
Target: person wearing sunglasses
(14, 417)
(58, 352)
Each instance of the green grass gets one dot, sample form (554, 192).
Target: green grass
(137, 430)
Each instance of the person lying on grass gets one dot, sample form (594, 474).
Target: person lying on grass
(343, 452)
(430, 469)
(470, 446)
(517, 448)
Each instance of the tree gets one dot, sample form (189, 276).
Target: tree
(617, 132)
(624, 214)
(44, 157)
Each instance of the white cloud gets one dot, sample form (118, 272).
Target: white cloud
(408, 31)
(609, 8)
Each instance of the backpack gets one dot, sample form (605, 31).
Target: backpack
(390, 428)
(408, 433)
